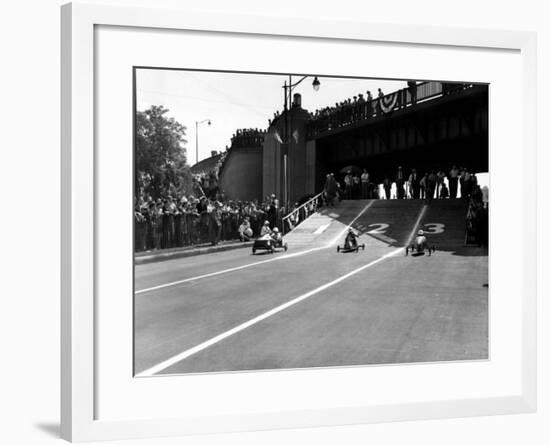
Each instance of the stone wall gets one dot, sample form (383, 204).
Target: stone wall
(241, 177)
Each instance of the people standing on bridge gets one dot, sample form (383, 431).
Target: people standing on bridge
(379, 103)
(354, 110)
(399, 183)
(369, 104)
(412, 90)
(360, 107)
(414, 184)
(365, 185)
(453, 181)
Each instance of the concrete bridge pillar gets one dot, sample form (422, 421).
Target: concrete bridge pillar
(286, 139)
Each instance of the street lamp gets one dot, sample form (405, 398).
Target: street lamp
(288, 125)
(316, 84)
(290, 86)
(197, 123)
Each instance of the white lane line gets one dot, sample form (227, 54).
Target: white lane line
(232, 269)
(350, 224)
(416, 224)
(189, 352)
(321, 229)
(245, 266)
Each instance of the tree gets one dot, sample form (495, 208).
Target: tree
(161, 163)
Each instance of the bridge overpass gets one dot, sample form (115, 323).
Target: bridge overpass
(445, 125)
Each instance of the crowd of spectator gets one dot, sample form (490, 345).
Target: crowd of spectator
(248, 137)
(365, 106)
(360, 107)
(432, 184)
(205, 216)
(352, 109)
(348, 111)
(411, 184)
(183, 221)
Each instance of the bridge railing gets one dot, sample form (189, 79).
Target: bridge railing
(299, 214)
(358, 111)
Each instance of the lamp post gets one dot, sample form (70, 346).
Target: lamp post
(288, 87)
(197, 123)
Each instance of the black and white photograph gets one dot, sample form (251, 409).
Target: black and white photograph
(299, 220)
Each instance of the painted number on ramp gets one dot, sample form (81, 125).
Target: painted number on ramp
(434, 228)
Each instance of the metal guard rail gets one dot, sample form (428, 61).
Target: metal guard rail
(297, 210)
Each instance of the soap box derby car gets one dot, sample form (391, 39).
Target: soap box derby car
(351, 244)
(350, 248)
(267, 242)
(420, 245)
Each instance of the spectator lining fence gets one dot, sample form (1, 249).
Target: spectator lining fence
(167, 231)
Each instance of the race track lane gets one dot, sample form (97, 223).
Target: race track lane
(374, 317)
(176, 318)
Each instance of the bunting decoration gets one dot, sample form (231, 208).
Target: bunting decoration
(388, 103)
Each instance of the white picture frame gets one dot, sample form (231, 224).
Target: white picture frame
(79, 416)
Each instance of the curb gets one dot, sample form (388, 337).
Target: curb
(165, 256)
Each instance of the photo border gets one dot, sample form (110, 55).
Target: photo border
(78, 396)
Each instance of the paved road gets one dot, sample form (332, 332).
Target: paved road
(313, 307)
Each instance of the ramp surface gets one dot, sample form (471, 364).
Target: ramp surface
(325, 225)
(445, 223)
(390, 221)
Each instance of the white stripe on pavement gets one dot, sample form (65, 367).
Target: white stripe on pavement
(416, 224)
(245, 266)
(321, 229)
(335, 239)
(231, 269)
(189, 352)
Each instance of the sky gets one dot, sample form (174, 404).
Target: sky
(236, 100)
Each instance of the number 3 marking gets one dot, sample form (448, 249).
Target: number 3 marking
(435, 228)
(380, 228)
